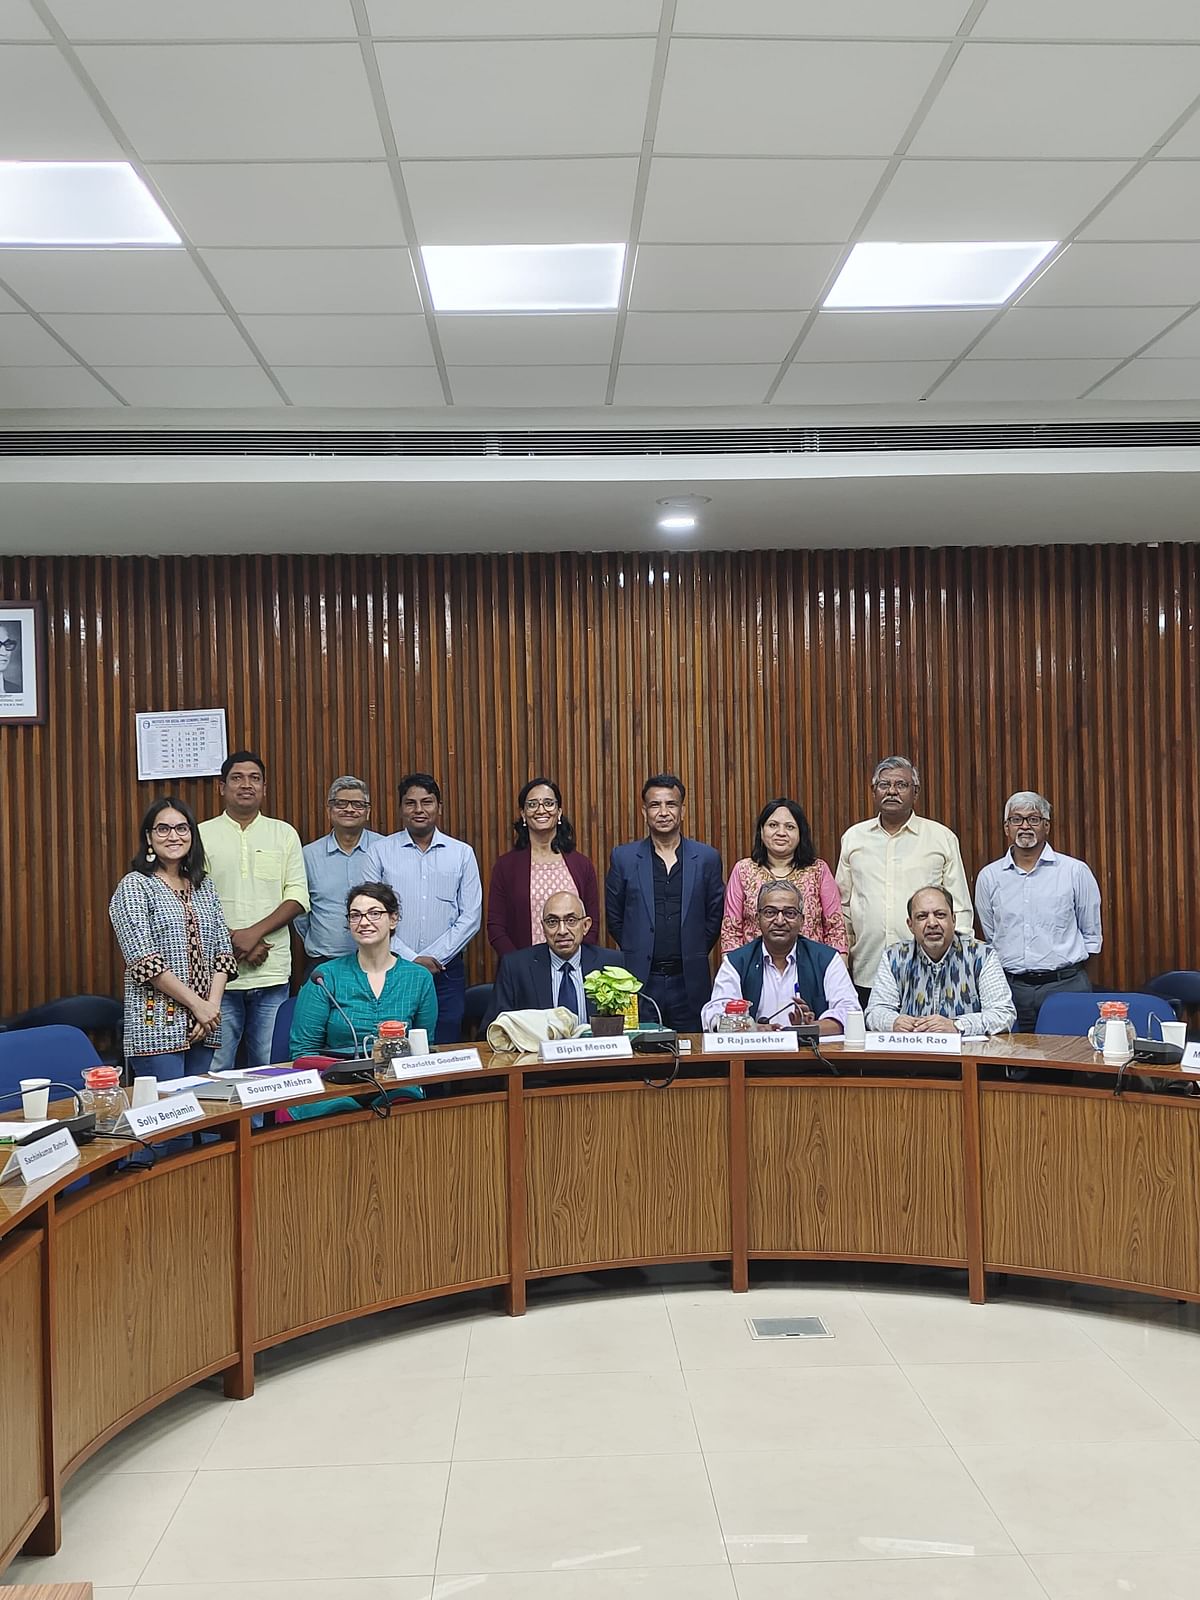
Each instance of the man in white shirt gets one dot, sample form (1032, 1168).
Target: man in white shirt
(885, 860)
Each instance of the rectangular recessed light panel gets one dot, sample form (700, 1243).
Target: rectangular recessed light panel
(78, 205)
(880, 276)
(524, 277)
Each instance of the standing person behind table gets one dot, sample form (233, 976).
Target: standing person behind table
(333, 864)
(663, 898)
(1039, 909)
(257, 867)
(542, 862)
(436, 879)
(783, 852)
(885, 860)
(168, 921)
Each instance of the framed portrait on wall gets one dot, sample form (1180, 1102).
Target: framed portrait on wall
(22, 661)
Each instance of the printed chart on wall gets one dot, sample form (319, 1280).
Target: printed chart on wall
(180, 744)
(22, 661)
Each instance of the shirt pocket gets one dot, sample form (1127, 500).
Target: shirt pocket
(268, 864)
(445, 887)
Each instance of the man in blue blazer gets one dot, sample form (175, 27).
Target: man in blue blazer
(551, 974)
(663, 898)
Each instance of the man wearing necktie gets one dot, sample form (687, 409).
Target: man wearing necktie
(551, 974)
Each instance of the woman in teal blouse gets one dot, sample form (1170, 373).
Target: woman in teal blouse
(371, 986)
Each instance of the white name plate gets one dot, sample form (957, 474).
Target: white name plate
(585, 1049)
(431, 1065)
(736, 1041)
(287, 1086)
(143, 1120)
(30, 1162)
(907, 1044)
(1191, 1058)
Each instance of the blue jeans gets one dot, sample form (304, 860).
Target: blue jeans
(248, 1018)
(451, 988)
(173, 1063)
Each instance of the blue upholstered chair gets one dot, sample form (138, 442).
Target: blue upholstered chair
(1182, 989)
(58, 1053)
(281, 1038)
(1074, 1013)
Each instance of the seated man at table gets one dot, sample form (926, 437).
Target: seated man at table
(939, 981)
(787, 978)
(551, 973)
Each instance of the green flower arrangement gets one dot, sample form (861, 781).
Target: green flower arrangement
(610, 989)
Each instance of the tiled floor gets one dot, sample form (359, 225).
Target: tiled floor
(635, 1441)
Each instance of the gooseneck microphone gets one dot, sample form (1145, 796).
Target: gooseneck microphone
(319, 979)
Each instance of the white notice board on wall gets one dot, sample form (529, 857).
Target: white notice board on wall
(180, 744)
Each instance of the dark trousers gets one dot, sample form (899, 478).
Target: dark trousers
(1028, 997)
(669, 991)
(451, 987)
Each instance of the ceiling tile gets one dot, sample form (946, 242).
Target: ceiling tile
(18, 21)
(527, 98)
(155, 341)
(751, 200)
(25, 343)
(730, 277)
(809, 18)
(1181, 341)
(248, 102)
(283, 203)
(193, 386)
(1119, 275)
(304, 281)
(562, 339)
(1057, 100)
(107, 280)
(1058, 332)
(765, 97)
(1021, 380)
(529, 386)
(940, 201)
(28, 388)
(1089, 19)
(1147, 379)
(361, 386)
(415, 19)
(521, 202)
(45, 114)
(215, 19)
(856, 383)
(1162, 201)
(891, 335)
(667, 337)
(367, 341)
(726, 385)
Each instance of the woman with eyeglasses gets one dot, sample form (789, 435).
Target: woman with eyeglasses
(347, 998)
(178, 955)
(783, 852)
(542, 862)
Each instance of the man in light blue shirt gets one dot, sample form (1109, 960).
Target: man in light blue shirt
(1039, 910)
(335, 864)
(441, 897)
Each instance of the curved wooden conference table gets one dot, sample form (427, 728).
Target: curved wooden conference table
(124, 1292)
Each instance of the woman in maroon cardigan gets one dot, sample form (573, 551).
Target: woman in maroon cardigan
(543, 862)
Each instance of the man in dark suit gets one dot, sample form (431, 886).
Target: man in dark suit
(663, 899)
(551, 974)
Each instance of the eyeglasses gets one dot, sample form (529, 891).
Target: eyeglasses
(171, 830)
(349, 805)
(1025, 822)
(541, 805)
(554, 923)
(8, 644)
(896, 787)
(366, 916)
(777, 913)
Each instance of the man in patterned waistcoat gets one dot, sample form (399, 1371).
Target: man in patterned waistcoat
(940, 981)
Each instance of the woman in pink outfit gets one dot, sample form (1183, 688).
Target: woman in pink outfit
(783, 851)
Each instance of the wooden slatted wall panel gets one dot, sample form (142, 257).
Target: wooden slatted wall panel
(1074, 669)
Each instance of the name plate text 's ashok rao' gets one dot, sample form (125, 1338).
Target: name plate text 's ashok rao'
(736, 1041)
(584, 1049)
(907, 1044)
(288, 1086)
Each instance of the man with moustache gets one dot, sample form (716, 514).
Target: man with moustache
(939, 981)
(552, 974)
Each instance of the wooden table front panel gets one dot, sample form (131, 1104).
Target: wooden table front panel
(145, 1277)
(1083, 1185)
(835, 1169)
(628, 1174)
(352, 1215)
(22, 1353)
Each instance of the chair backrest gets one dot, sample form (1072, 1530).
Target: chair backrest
(281, 1036)
(478, 999)
(1075, 1011)
(58, 1053)
(1181, 988)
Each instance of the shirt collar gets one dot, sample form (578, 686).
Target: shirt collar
(789, 964)
(332, 847)
(911, 826)
(1047, 856)
(955, 944)
(557, 963)
(407, 842)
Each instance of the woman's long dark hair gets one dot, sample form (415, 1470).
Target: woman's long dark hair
(564, 838)
(192, 865)
(806, 850)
